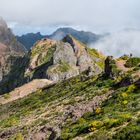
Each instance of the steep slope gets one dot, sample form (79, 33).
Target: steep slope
(52, 60)
(8, 38)
(59, 60)
(10, 51)
(91, 108)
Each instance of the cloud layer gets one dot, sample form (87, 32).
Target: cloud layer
(120, 43)
(93, 15)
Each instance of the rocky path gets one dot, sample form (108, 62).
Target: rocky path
(24, 90)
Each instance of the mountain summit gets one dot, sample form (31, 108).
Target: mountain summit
(8, 38)
(85, 37)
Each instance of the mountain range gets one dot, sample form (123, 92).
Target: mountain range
(29, 39)
(61, 89)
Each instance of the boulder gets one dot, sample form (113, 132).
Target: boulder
(111, 70)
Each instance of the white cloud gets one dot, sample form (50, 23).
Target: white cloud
(94, 15)
(120, 43)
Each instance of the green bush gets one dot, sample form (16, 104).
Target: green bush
(19, 136)
(111, 122)
(124, 57)
(6, 96)
(131, 132)
(76, 130)
(93, 52)
(132, 62)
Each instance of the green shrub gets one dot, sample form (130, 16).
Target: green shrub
(111, 122)
(132, 62)
(6, 96)
(131, 88)
(76, 130)
(100, 64)
(93, 52)
(124, 57)
(19, 136)
(95, 125)
(11, 121)
(131, 132)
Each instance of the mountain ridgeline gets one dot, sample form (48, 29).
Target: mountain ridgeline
(86, 37)
(54, 60)
(29, 39)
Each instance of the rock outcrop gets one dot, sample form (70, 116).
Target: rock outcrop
(9, 39)
(59, 60)
(111, 69)
(10, 51)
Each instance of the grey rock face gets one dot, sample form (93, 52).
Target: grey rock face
(75, 56)
(68, 59)
(8, 38)
(84, 61)
(64, 52)
(63, 75)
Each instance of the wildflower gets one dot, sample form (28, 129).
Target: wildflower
(98, 110)
(124, 95)
(125, 102)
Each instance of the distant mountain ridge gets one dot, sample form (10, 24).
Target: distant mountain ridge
(29, 39)
(83, 36)
(86, 37)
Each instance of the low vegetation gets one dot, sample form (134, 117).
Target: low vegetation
(132, 62)
(112, 119)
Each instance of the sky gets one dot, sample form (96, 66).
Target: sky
(98, 16)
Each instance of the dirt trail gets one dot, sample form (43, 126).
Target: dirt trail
(121, 65)
(24, 90)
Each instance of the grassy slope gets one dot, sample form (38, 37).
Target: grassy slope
(113, 118)
(117, 118)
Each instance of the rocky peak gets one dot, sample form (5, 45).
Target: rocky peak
(59, 60)
(68, 38)
(8, 38)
